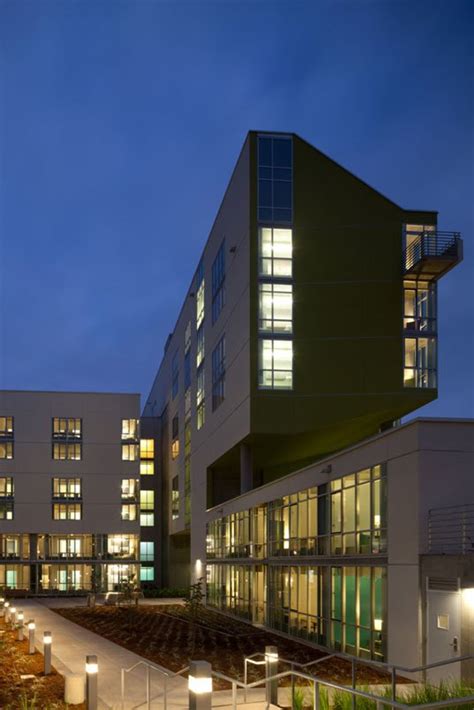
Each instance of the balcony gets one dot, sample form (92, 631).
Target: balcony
(451, 530)
(431, 255)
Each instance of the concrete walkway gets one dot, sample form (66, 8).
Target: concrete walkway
(71, 645)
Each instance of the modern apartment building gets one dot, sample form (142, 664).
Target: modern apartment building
(310, 324)
(69, 491)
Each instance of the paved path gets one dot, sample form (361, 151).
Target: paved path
(71, 645)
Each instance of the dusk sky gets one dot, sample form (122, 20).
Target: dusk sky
(121, 123)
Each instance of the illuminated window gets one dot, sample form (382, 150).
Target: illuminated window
(7, 488)
(147, 574)
(6, 510)
(175, 374)
(175, 498)
(130, 429)
(67, 488)
(147, 520)
(6, 449)
(275, 252)
(276, 364)
(200, 345)
(199, 286)
(175, 437)
(218, 283)
(147, 500)
(129, 488)
(413, 237)
(147, 551)
(420, 362)
(124, 546)
(275, 313)
(129, 511)
(67, 511)
(419, 314)
(67, 452)
(200, 398)
(147, 468)
(129, 452)
(6, 427)
(147, 448)
(275, 174)
(218, 374)
(67, 428)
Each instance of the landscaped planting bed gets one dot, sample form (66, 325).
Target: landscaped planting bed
(42, 692)
(170, 636)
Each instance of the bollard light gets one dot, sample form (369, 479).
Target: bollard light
(200, 685)
(20, 617)
(13, 615)
(31, 636)
(271, 669)
(3, 606)
(6, 606)
(92, 671)
(47, 643)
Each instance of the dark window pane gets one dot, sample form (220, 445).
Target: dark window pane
(264, 151)
(279, 216)
(281, 194)
(265, 193)
(282, 153)
(265, 214)
(265, 173)
(282, 174)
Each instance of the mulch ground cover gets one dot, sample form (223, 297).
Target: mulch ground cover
(47, 692)
(170, 637)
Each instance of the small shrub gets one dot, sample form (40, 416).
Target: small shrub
(194, 598)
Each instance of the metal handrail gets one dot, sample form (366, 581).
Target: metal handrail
(149, 666)
(430, 244)
(388, 667)
(378, 699)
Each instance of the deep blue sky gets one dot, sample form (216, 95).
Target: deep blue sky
(120, 125)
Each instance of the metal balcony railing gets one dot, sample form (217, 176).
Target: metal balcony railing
(431, 254)
(451, 530)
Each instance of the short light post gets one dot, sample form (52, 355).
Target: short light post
(13, 616)
(20, 618)
(4, 610)
(271, 669)
(47, 643)
(92, 671)
(31, 636)
(200, 685)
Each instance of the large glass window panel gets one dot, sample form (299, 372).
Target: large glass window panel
(6, 487)
(348, 503)
(129, 488)
(130, 452)
(6, 427)
(147, 448)
(276, 364)
(275, 179)
(275, 307)
(6, 449)
(130, 429)
(275, 252)
(147, 500)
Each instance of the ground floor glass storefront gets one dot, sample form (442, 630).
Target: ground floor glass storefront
(341, 607)
(54, 578)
